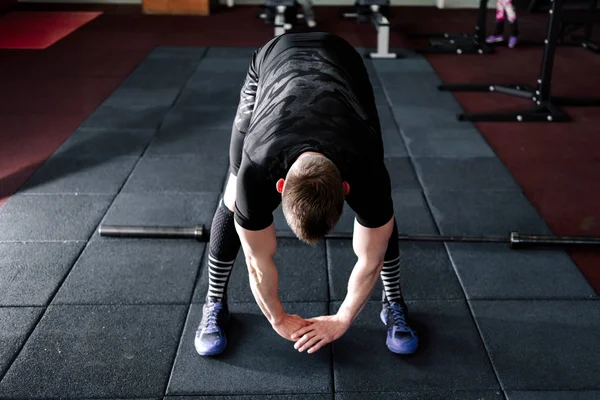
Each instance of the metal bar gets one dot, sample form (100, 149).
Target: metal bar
(480, 28)
(591, 46)
(465, 87)
(520, 90)
(542, 113)
(544, 82)
(580, 41)
(411, 238)
(512, 91)
(200, 233)
(160, 232)
(518, 240)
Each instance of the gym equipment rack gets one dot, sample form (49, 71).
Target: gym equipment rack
(459, 43)
(546, 107)
(382, 25)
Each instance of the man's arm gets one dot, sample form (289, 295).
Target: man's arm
(259, 248)
(370, 245)
(372, 201)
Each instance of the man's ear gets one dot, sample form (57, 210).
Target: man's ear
(279, 185)
(346, 188)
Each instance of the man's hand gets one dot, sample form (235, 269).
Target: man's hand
(290, 324)
(323, 330)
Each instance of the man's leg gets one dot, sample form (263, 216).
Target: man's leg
(224, 244)
(223, 248)
(401, 339)
(390, 274)
(224, 241)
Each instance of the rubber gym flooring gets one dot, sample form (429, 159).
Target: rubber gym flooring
(127, 121)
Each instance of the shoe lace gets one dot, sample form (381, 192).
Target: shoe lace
(212, 313)
(397, 312)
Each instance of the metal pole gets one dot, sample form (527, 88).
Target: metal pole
(544, 83)
(157, 232)
(518, 240)
(480, 28)
(413, 238)
(200, 233)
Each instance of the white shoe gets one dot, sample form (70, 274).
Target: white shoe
(311, 24)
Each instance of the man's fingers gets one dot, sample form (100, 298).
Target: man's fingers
(317, 346)
(310, 343)
(302, 331)
(305, 338)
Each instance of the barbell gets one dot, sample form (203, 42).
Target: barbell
(199, 232)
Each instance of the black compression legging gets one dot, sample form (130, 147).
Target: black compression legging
(223, 248)
(390, 274)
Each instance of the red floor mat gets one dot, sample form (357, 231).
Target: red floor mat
(27, 143)
(39, 30)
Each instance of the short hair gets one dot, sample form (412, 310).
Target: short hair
(313, 197)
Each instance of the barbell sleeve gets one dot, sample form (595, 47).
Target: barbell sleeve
(165, 232)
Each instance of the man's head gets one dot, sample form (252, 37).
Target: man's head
(312, 196)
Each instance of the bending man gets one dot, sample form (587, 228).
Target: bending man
(307, 136)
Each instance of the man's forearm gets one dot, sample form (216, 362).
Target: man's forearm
(360, 286)
(264, 282)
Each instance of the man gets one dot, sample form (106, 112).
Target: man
(306, 135)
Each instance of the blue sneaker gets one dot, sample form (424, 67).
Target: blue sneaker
(401, 339)
(210, 337)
